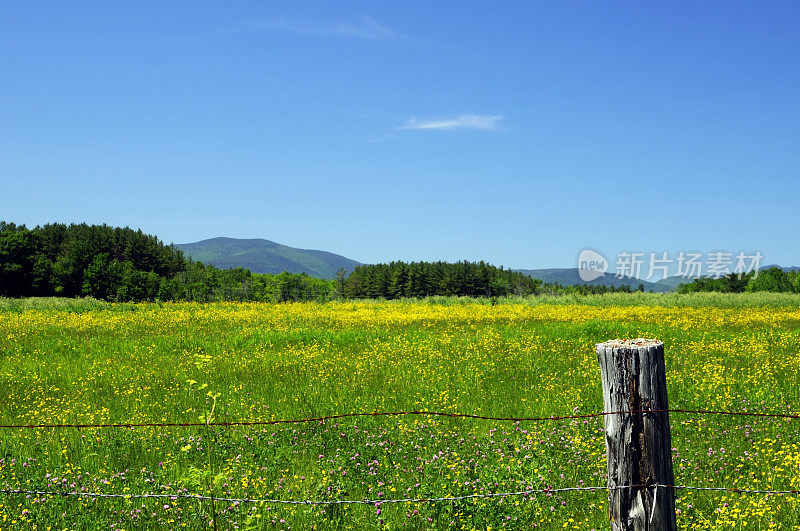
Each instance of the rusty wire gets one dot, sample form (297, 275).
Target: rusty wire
(399, 413)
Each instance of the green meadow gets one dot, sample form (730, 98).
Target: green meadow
(69, 361)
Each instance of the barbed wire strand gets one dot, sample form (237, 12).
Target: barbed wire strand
(398, 500)
(399, 413)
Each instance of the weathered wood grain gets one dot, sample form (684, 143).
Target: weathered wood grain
(638, 444)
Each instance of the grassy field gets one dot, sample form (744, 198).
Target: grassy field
(67, 361)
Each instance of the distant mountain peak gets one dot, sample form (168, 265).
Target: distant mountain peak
(260, 255)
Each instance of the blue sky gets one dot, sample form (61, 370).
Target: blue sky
(515, 132)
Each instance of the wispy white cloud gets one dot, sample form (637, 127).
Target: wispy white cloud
(363, 28)
(366, 28)
(487, 122)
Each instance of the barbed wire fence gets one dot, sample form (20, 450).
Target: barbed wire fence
(378, 502)
(397, 500)
(399, 413)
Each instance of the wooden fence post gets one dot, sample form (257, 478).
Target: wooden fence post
(638, 444)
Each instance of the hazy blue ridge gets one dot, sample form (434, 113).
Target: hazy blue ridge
(265, 256)
(569, 276)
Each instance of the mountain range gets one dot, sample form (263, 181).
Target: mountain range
(567, 276)
(265, 256)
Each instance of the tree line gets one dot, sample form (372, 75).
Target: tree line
(423, 279)
(122, 264)
(773, 279)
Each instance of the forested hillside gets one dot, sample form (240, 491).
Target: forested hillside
(265, 256)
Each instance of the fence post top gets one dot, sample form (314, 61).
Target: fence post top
(630, 343)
